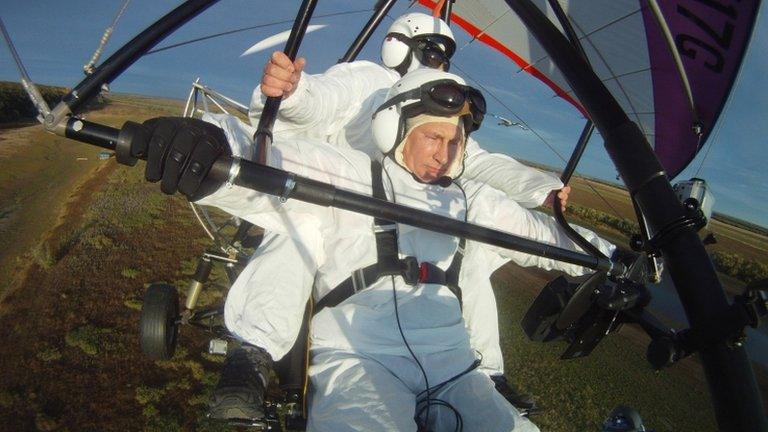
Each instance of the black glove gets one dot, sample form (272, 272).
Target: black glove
(180, 152)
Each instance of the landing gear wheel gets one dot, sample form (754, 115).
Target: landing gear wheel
(159, 321)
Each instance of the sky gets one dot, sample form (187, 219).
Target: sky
(55, 39)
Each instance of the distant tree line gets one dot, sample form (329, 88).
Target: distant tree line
(597, 217)
(731, 264)
(736, 266)
(15, 105)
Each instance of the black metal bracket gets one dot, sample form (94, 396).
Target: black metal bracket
(613, 303)
(748, 309)
(694, 219)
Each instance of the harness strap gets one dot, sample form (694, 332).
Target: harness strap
(388, 264)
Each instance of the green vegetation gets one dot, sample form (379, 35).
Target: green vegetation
(88, 338)
(130, 203)
(736, 266)
(213, 358)
(148, 395)
(130, 273)
(133, 304)
(43, 256)
(15, 105)
(728, 263)
(598, 218)
(157, 421)
(49, 354)
(182, 362)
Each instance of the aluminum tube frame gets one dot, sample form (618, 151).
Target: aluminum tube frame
(581, 145)
(733, 388)
(263, 136)
(578, 151)
(91, 133)
(381, 10)
(572, 234)
(287, 185)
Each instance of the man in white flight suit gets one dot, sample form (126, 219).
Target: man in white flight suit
(337, 106)
(396, 355)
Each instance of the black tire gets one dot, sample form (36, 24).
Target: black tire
(158, 325)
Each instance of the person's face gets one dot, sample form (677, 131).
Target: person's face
(431, 149)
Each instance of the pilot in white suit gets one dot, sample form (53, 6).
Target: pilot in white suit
(395, 353)
(336, 107)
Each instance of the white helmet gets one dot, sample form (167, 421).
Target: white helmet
(417, 39)
(428, 92)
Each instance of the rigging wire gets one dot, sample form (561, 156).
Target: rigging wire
(719, 126)
(88, 68)
(290, 21)
(482, 30)
(538, 135)
(714, 140)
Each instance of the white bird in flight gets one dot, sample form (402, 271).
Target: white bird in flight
(277, 39)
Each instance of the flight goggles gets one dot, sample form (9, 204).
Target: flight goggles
(432, 51)
(445, 98)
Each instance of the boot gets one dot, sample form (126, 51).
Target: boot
(523, 402)
(239, 395)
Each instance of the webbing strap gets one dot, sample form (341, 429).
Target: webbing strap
(388, 263)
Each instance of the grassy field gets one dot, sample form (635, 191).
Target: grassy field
(38, 172)
(70, 358)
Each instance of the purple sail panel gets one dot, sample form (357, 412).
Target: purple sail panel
(711, 37)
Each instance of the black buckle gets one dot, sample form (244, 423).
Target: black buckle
(409, 269)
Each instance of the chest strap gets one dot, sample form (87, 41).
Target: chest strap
(388, 262)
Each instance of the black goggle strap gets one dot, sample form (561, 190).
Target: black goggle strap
(418, 93)
(473, 103)
(402, 38)
(422, 42)
(402, 68)
(410, 94)
(472, 119)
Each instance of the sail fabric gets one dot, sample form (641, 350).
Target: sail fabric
(626, 46)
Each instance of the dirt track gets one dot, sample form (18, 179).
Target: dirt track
(38, 175)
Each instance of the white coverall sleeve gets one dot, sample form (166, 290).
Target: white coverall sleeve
(305, 158)
(323, 104)
(265, 305)
(528, 186)
(489, 207)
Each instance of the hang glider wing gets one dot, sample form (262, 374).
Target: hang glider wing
(627, 46)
